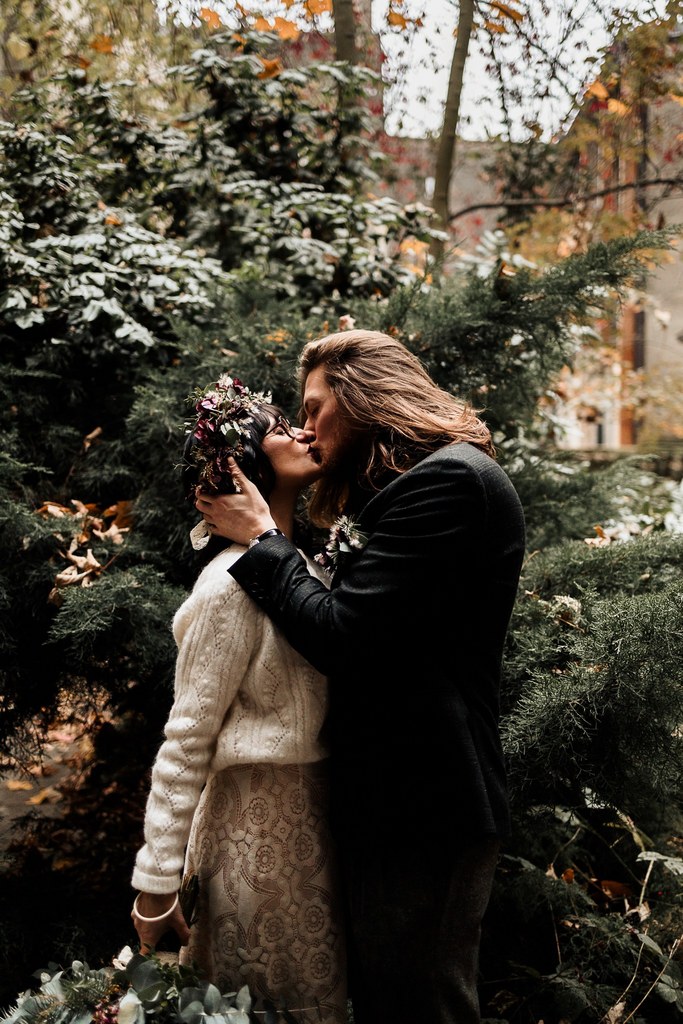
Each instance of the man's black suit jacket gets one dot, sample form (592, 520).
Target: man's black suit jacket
(411, 637)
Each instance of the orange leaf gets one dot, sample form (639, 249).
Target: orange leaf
(597, 90)
(494, 26)
(51, 508)
(286, 29)
(238, 38)
(262, 25)
(103, 44)
(112, 219)
(212, 18)
(397, 20)
(506, 11)
(122, 514)
(678, 99)
(617, 107)
(271, 68)
(319, 6)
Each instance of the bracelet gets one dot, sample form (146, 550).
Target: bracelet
(152, 920)
(273, 532)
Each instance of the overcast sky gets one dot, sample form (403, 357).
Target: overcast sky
(417, 104)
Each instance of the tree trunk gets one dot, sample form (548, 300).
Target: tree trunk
(345, 31)
(446, 151)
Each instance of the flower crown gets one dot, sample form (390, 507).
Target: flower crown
(224, 411)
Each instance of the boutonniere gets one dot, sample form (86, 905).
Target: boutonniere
(344, 538)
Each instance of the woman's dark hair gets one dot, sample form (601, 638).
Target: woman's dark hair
(254, 463)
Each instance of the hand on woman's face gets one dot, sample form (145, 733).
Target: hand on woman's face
(289, 454)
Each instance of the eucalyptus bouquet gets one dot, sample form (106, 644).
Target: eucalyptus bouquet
(134, 990)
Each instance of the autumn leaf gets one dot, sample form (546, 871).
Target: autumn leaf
(51, 508)
(506, 11)
(102, 44)
(212, 18)
(617, 107)
(122, 514)
(319, 6)
(397, 20)
(17, 47)
(597, 91)
(271, 68)
(286, 29)
(677, 99)
(49, 795)
(18, 785)
(262, 25)
(494, 26)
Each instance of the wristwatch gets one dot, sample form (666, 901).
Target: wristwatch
(262, 536)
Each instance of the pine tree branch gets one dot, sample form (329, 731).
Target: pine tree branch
(583, 197)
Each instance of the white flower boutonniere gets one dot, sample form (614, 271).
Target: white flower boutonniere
(344, 538)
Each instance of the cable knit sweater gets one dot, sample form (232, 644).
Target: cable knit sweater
(242, 695)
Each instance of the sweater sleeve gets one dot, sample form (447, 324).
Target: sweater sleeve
(215, 649)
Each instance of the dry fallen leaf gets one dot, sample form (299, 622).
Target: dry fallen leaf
(18, 785)
(45, 796)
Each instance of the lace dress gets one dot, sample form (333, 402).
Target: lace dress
(268, 913)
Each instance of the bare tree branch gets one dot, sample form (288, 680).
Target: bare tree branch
(582, 197)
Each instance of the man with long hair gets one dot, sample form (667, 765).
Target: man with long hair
(426, 559)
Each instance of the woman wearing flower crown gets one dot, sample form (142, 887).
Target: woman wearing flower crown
(240, 778)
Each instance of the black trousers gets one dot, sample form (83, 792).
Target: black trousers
(414, 928)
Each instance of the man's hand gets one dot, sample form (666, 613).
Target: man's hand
(238, 517)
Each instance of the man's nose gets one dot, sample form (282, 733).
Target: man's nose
(304, 436)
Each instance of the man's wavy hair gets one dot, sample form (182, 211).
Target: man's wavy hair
(388, 398)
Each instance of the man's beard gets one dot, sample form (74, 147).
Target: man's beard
(344, 464)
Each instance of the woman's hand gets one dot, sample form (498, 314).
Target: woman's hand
(238, 517)
(151, 904)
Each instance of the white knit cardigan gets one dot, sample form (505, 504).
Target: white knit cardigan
(242, 696)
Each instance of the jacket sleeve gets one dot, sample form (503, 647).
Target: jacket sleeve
(428, 521)
(214, 651)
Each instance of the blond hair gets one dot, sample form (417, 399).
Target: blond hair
(384, 392)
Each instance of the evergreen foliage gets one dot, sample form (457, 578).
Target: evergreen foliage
(139, 260)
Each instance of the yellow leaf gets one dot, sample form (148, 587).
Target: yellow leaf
(18, 48)
(597, 90)
(212, 18)
(678, 99)
(617, 107)
(112, 219)
(506, 11)
(319, 6)
(18, 785)
(286, 29)
(271, 68)
(494, 26)
(262, 25)
(48, 795)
